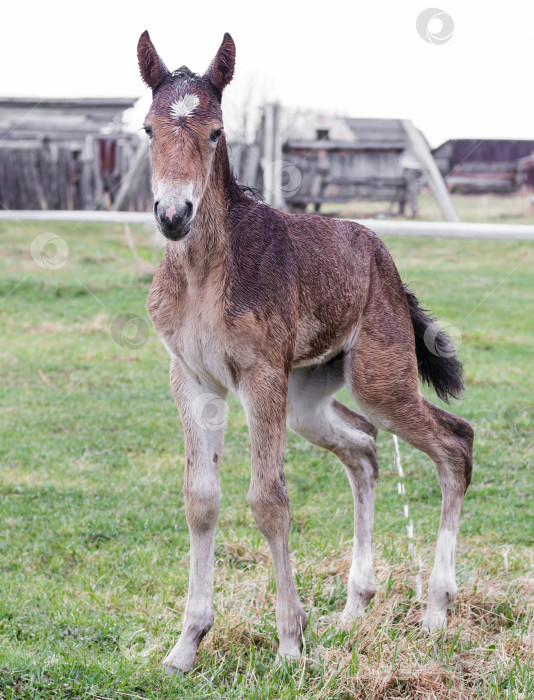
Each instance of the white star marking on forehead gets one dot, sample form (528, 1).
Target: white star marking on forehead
(185, 106)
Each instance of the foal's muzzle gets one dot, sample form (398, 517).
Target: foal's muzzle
(174, 220)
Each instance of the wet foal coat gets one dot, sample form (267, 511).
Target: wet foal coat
(283, 311)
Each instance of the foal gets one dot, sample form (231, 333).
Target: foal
(283, 311)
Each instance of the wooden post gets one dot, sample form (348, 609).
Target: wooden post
(252, 165)
(430, 170)
(272, 156)
(278, 199)
(267, 153)
(129, 179)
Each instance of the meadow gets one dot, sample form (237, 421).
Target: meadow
(93, 537)
(517, 208)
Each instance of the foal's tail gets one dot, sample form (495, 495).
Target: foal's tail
(436, 355)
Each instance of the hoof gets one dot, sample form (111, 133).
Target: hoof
(351, 613)
(181, 659)
(286, 657)
(434, 620)
(356, 605)
(441, 595)
(169, 669)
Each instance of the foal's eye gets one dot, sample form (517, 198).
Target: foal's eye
(148, 131)
(216, 135)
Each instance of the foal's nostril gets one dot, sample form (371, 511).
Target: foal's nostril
(174, 219)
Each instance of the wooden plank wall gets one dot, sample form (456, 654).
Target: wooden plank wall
(66, 175)
(339, 175)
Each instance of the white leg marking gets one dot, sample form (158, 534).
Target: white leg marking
(442, 587)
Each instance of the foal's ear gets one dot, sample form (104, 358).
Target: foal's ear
(221, 69)
(153, 70)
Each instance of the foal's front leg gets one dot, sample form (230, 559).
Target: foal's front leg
(202, 410)
(264, 398)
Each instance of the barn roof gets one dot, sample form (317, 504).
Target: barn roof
(378, 133)
(27, 118)
(348, 132)
(484, 150)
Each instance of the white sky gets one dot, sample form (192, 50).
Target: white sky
(362, 59)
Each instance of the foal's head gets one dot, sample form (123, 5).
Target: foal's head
(184, 126)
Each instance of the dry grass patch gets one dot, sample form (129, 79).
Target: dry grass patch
(486, 647)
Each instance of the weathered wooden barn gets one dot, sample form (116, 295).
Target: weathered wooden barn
(486, 165)
(322, 158)
(66, 153)
(351, 159)
(75, 154)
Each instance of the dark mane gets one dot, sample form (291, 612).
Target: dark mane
(184, 72)
(178, 76)
(252, 192)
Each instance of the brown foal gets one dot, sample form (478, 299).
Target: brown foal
(283, 311)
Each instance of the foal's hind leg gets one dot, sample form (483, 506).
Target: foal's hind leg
(453, 459)
(202, 410)
(314, 414)
(381, 371)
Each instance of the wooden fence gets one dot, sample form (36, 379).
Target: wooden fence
(110, 168)
(71, 175)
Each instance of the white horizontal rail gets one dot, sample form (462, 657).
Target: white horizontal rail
(450, 229)
(383, 227)
(109, 217)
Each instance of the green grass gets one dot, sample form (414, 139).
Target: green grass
(94, 543)
(491, 208)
